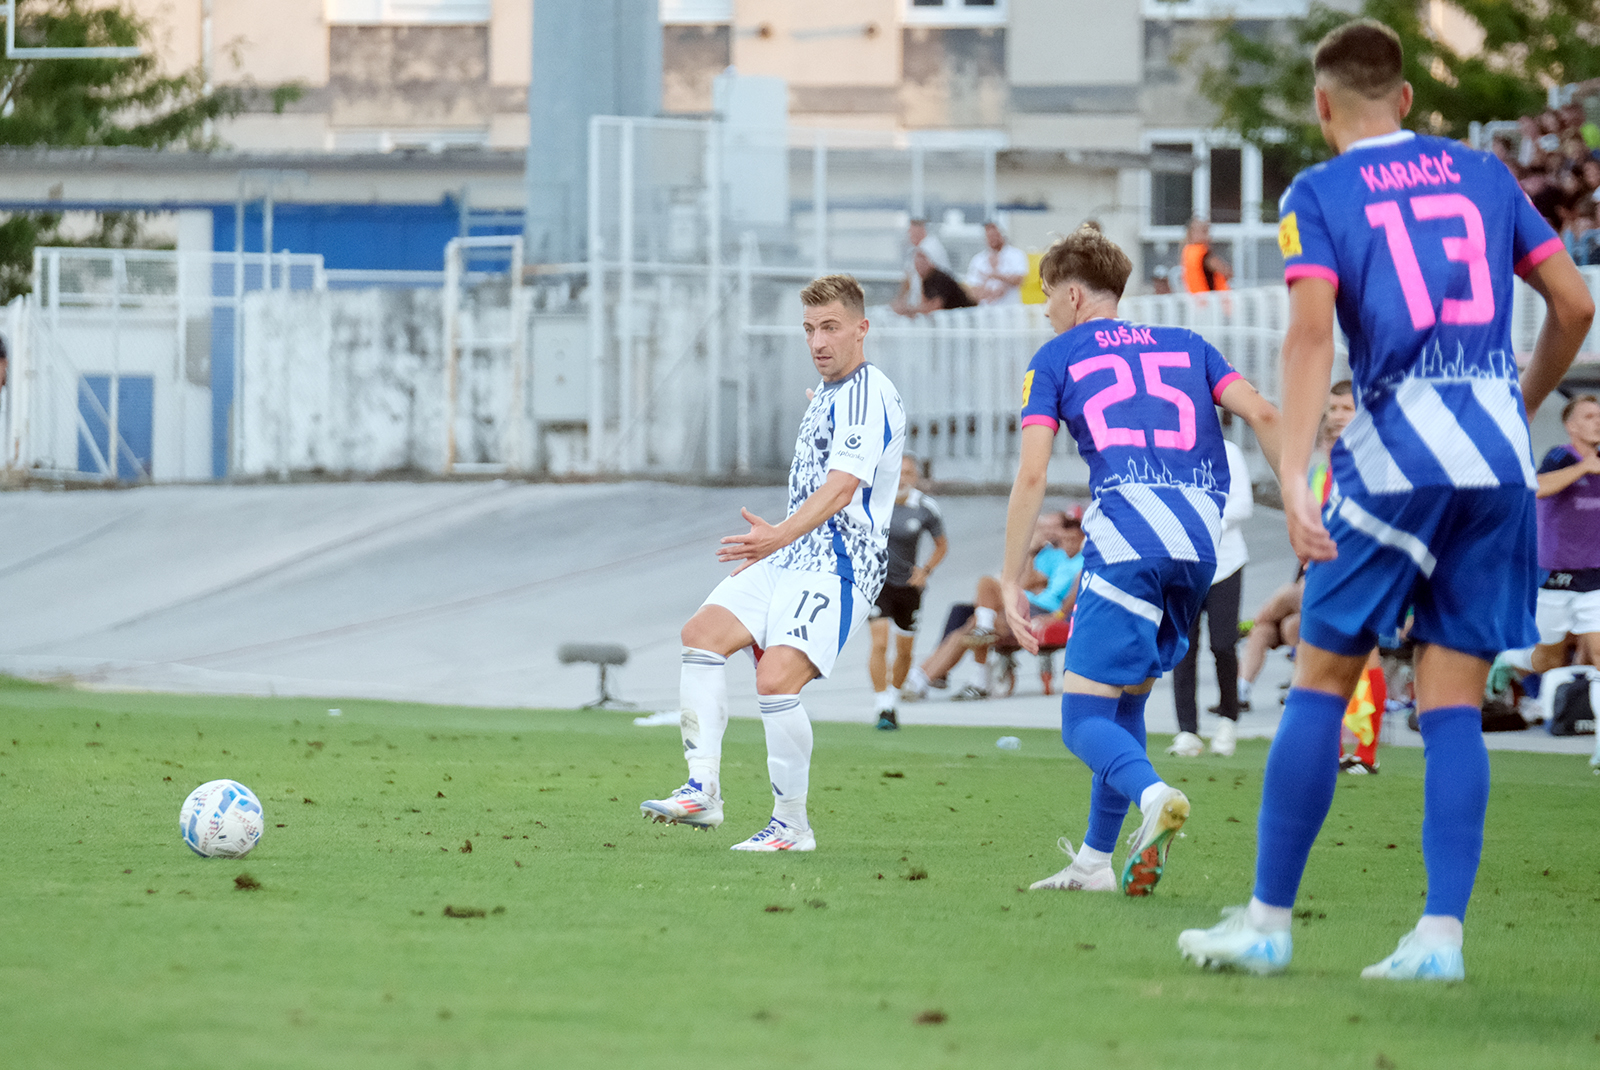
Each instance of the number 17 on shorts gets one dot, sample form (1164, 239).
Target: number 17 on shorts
(814, 612)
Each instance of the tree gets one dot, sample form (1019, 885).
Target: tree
(92, 102)
(1262, 85)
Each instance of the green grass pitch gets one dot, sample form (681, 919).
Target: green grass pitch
(604, 941)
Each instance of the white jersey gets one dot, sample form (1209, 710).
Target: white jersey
(858, 426)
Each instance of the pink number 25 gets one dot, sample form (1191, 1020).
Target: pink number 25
(1094, 410)
(1471, 250)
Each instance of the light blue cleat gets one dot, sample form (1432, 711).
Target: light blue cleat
(1417, 959)
(1237, 944)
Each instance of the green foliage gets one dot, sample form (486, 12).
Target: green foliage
(92, 102)
(573, 934)
(1262, 84)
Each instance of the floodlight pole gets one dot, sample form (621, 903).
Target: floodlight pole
(13, 52)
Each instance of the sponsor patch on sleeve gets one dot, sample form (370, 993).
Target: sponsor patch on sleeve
(1289, 236)
(1027, 387)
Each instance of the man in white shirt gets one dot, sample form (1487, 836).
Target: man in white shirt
(1222, 614)
(995, 275)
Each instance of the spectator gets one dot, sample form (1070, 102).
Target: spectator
(915, 514)
(1203, 270)
(995, 275)
(939, 290)
(919, 239)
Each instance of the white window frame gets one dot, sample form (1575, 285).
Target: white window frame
(1225, 9)
(406, 12)
(954, 13)
(696, 12)
(1242, 235)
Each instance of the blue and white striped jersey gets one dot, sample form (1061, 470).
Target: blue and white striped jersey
(856, 425)
(1157, 468)
(1421, 236)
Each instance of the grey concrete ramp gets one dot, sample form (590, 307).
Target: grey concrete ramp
(461, 593)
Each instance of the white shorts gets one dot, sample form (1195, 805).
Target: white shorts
(814, 612)
(1561, 612)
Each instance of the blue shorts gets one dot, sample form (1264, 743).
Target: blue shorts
(1465, 559)
(1131, 621)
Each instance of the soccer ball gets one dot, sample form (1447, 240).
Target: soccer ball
(221, 819)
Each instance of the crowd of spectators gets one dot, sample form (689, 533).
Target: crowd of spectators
(1556, 158)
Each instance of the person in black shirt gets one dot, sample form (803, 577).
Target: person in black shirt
(939, 290)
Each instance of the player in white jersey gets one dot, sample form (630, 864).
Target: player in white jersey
(803, 586)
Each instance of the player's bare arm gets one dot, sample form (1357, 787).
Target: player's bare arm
(920, 573)
(763, 538)
(1569, 312)
(1553, 483)
(1307, 374)
(1245, 402)
(1022, 513)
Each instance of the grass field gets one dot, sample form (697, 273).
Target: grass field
(905, 940)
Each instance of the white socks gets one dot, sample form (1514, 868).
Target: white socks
(1148, 797)
(788, 756)
(1269, 919)
(1520, 659)
(1440, 929)
(1244, 690)
(1089, 858)
(884, 700)
(917, 680)
(984, 617)
(703, 696)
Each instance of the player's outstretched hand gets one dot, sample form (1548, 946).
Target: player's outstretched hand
(1018, 617)
(761, 540)
(1310, 540)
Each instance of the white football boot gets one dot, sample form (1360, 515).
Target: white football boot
(778, 836)
(1237, 944)
(686, 806)
(1420, 959)
(1078, 878)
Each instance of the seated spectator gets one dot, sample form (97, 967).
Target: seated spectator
(939, 290)
(1051, 591)
(995, 275)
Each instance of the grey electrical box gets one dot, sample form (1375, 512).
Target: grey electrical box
(560, 349)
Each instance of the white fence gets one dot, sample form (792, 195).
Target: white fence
(135, 366)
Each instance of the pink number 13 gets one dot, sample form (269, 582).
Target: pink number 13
(1094, 410)
(1471, 250)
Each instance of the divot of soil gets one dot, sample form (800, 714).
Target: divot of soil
(246, 883)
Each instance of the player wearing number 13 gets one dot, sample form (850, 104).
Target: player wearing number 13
(1140, 401)
(1413, 242)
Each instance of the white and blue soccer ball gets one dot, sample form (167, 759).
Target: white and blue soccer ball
(221, 819)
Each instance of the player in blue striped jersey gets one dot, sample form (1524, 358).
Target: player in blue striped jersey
(1413, 242)
(1140, 401)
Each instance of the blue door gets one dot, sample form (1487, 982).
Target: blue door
(135, 416)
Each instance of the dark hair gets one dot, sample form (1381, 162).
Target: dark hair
(1363, 56)
(1566, 410)
(1089, 257)
(1340, 389)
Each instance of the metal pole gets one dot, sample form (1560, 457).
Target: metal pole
(597, 309)
(747, 262)
(625, 301)
(991, 196)
(114, 454)
(266, 238)
(819, 201)
(714, 285)
(452, 328)
(919, 207)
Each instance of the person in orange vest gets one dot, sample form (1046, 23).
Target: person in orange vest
(1203, 270)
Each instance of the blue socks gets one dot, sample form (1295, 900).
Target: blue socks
(1455, 797)
(1302, 769)
(1108, 735)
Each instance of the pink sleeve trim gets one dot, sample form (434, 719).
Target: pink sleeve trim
(1538, 256)
(1227, 381)
(1042, 420)
(1311, 271)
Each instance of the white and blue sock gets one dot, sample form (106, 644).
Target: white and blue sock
(788, 757)
(703, 698)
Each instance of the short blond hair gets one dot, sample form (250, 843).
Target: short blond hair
(830, 288)
(1089, 257)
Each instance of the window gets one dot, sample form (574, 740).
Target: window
(1227, 185)
(696, 12)
(1277, 169)
(396, 12)
(1171, 193)
(955, 12)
